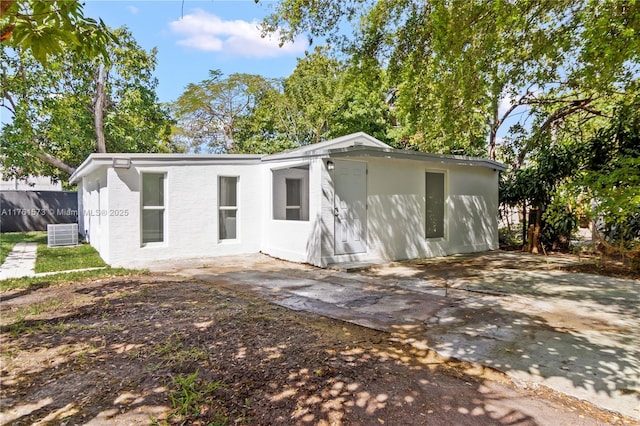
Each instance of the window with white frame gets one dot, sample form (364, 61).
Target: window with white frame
(227, 207)
(291, 193)
(434, 191)
(153, 207)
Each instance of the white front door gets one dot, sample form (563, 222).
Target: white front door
(350, 207)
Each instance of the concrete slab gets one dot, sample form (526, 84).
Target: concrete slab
(575, 333)
(20, 262)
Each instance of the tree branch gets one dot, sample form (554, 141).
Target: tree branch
(55, 162)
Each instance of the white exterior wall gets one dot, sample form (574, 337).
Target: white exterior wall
(110, 203)
(191, 214)
(294, 240)
(396, 211)
(92, 201)
(473, 201)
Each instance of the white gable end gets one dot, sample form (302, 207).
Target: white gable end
(320, 148)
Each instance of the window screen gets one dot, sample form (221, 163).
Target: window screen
(434, 205)
(294, 199)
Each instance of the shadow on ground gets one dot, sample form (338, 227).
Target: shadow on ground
(114, 351)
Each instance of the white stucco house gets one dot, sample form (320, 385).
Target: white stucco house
(350, 199)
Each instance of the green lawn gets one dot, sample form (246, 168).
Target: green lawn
(56, 259)
(52, 259)
(67, 258)
(8, 240)
(62, 278)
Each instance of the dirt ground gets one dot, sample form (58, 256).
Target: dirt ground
(149, 349)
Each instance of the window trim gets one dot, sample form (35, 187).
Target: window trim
(222, 208)
(445, 194)
(162, 208)
(279, 193)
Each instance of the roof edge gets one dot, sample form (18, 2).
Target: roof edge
(418, 156)
(97, 160)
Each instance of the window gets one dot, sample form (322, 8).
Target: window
(227, 207)
(291, 193)
(294, 199)
(434, 225)
(153, 207)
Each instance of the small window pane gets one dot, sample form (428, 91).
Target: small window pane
(293, 192)
(152, 189)
(227, 224)
(152, 226)
(293, 213)
(228, 194)
(435, 205)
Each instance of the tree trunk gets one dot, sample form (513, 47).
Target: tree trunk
(98, 109)
(524, 224)
(533, 231)
(492, 143)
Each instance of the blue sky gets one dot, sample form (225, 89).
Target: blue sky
(193, 37)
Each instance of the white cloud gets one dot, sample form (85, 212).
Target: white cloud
(505, 104)
(203, 31)
(133, 10)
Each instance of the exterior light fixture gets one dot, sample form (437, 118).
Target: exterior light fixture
(330, 165)
(121, 163)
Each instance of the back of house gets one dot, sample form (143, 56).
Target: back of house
(350, 199)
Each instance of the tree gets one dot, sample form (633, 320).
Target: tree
(323, 98)
(76, 105)
(311, 89)
(609, 180)
(208, 113)
(52, 27)
(461, 68)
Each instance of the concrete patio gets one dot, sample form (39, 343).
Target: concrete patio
(575, 333)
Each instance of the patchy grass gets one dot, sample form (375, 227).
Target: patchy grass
(52, 259)
(154, 350)
(64, 277)
(8, 240)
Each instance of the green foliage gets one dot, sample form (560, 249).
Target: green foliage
(52, 27)
(459, 69)
(311, 90)
(559, 221)
(610, 178)
(53, 108)
(323, 98)
(190, 394)
(536, 183)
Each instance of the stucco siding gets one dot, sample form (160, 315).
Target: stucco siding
(396, 211)
(93, 223)
(294, 240)
(191, 214)
(285, 204)
(474, 203)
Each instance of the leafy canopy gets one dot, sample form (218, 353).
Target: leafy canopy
(52, 27)
(54, 107)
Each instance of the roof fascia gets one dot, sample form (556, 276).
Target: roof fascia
(94, 161)
(364, 151)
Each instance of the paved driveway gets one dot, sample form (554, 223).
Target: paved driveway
(575, 333)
